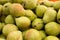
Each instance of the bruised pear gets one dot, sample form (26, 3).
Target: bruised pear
(58, 16)
(52, 28)
(16, 10)
(32, 34)
(49, 16)
(23, 23)
(30, 14)
(6, 8)
(40, 10)
(15, 35)
(51, 38)
(57, 5)
(9, 28)
(30, 4)
(9, 19)
(37, 24)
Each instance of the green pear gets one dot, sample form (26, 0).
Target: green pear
(57, 5)
(40, 10)
(15, 35)
(6, 8)
(49, 16)
(9, 19)
(42, 34)
(30, 4)
(32, 34)
(52, 28)
(9, 28)
(37, 24)
(58, 16)
(23, 23)
(16, 10)
(51, 38)
(30, 14)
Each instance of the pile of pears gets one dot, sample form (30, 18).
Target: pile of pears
(29, 20)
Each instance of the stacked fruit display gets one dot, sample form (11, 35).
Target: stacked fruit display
(29, 20)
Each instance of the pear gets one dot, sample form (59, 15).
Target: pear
(30, 4)
(30, 14)
(32, 34)
(37, 24)
(52, 28)
(40, 10)
(49, 16)
(9, 28)
(15, 35)
(23, 23)
(9, 19)
(16, 10)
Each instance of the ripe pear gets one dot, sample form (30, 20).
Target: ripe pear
(40, 10)
(37, 24)
(16, 10)
(57, 5)
(51, 38)
(9, 28)
(23, 23)
(15, 35)
(32, 34)
(9, 19)
(6, 8)
(52, 28)
(58, 16)
(30, 4)
(49, 16)
(30, 14)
